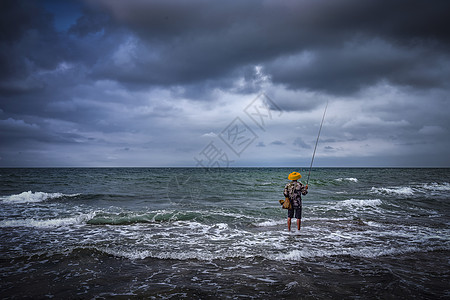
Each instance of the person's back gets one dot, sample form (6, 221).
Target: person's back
(294, 191)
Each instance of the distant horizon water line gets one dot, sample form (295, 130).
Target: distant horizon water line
(222, 168)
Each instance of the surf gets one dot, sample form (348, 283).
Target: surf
(33, 197)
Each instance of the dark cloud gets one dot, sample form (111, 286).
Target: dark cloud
(30, 47)
(129, 74)
(17, 17)
(300, 143)
(314, 45)
(90, 24)
(361, 64)
(278, 143)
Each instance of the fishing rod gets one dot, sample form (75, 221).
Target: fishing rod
(317, 141)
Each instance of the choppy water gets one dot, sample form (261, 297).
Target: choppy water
(192, 233)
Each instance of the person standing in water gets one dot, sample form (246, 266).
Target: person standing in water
(294, 191)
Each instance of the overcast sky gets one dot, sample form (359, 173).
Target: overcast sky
(224, 83)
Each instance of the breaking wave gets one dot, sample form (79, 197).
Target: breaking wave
(358, 203)
(351, 179)
(28, 197)
(445, 186)
(404, 191)
(435, 188)
(270, 223)
(365, 252)
(47, 223)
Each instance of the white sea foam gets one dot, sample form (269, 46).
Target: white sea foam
(359, 203)
(351, 179)
(437, 186)
(47, 223)
(327, 219)
(27, 197)
(295, 255)
(409, 191)
(187, 240)
(405, 191)
(136, 254)
(366, 252)
(270, 223)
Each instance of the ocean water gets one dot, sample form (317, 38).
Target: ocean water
(84, 233)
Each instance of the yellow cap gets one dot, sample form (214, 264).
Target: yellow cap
(294, 176)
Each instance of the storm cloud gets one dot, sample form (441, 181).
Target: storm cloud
(152, 83)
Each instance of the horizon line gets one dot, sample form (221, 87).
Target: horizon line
(220, 168)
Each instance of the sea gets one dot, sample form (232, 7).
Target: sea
(197, 233)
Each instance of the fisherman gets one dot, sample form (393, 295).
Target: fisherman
(294, 191)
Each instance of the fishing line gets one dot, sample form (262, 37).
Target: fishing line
(317, 141)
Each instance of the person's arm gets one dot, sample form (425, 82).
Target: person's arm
(286, 192)
(304, 189)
